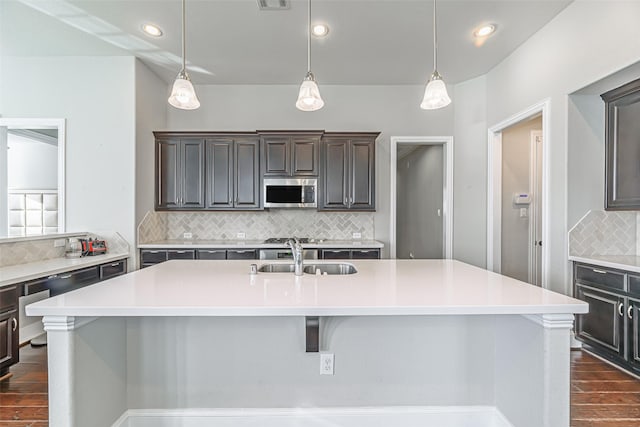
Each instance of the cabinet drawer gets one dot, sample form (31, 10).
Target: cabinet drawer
(212, 254)
(67, 282)
(365, 254)
(241, 254)
(603, 324)
(153, 256)
(336, 254)
(598, 276)
(8, 298)
(181, 254)
(113, 269)
(634, 285)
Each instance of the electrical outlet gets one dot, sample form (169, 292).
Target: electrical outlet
(240, 235)
(326, 363)
(59, 243)
(187, 235)
(356, 235)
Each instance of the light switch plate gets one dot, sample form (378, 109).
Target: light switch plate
(356, 235)
(326, 363)
(241, 235)
(187, 235)
(58, 243)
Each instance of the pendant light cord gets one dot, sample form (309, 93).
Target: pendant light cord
(184, 53)
(435, 39)
(309, 36)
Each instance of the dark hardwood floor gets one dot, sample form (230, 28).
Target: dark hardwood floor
(601, 396)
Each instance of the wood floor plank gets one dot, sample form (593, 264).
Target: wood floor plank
(604, 386)
(605, 411)
(598, 375)
(605, 398)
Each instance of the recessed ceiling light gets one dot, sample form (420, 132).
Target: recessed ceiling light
(485, 30)
(319, 30)
(152, 30)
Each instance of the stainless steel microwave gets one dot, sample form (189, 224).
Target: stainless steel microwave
(290, 193)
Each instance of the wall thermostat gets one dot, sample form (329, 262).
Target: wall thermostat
(522, 198)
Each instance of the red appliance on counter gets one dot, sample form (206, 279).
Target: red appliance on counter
(92, 247)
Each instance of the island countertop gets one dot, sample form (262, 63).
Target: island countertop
(380, 287)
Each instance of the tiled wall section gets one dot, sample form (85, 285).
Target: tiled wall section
(256, 225)
(605, 233)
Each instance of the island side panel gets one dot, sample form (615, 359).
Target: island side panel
(533, 369)
(87, 370)
(259, 362)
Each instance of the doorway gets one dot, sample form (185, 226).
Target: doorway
(421, 197)
(517, 205)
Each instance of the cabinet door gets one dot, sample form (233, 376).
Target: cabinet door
(168, 185)
(603, 325)
(335, 178)
(241, 254)
(247, 174)
(192, 165)
(276, 155)
(153, 256)
(212, 254)
(181, 254)
(67, 282)
(362, 182)
(305, 153)
(219, 174)
(9, 353)
(365, 254)
(336, 254)
(113, 269)
(633, 317)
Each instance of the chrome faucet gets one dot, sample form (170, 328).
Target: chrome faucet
(296, 250)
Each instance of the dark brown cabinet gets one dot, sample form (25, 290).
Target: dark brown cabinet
(9, 339)
(622, 147)
(348, 171)
(611, 327)
(179, 173)
(290, 154)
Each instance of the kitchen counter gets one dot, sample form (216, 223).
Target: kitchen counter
(184, 342)
(258, 244)
(380, 287)
(34, 270)
(622, 262)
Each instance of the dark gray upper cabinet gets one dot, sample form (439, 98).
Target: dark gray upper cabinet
(233, 173)
(290, 153)
(179, 173)
(622, 142)
(348, 171)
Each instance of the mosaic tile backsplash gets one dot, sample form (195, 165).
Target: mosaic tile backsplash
(256, 225)
(605, 233)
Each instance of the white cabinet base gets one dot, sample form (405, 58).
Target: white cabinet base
(446, 416)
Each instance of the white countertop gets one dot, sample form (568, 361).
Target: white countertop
(381, 287)
(258, 244)
(622, 262)
(34, 270)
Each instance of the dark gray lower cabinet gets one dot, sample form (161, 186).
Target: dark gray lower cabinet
(212, 254)
(181, 254)
(242, 254)
(611, 328)
(151, 257)
(9, 339)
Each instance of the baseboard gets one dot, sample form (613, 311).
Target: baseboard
(397, 416)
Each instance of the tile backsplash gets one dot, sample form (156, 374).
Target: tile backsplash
(605, 233)
(256, 225)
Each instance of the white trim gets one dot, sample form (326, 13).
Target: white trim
(447, 196)
(60, 124)
(534, 191)
(442, 416)
(494, 183)
(65, 323)
(552, 321)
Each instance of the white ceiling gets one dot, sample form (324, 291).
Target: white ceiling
(377, 42)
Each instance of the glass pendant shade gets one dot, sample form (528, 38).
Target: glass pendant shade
(183, 95)
(435, 94)
(309, 98)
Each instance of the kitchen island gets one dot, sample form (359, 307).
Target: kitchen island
(416, 342)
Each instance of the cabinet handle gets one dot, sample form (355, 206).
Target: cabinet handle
(66, 276)
(154, 252)
(630, 312)
(595, 270)
(14, 322)
(620, 309)
(351, 199)
(53, 276)
(115, 264)
(242, 252)
(345, 201)
(181, 252)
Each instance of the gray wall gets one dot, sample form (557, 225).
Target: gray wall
(516, 156)
(420, 176)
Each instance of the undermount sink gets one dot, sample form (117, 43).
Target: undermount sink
(329, 269)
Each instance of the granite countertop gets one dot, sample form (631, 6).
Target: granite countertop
(622, 262)
(34, 270)
(380, 287)
(259, 244)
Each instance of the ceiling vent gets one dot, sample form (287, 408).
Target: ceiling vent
(273, 4)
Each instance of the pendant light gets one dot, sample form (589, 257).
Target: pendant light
(435, 94)
(309, 98)
(183, 95)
